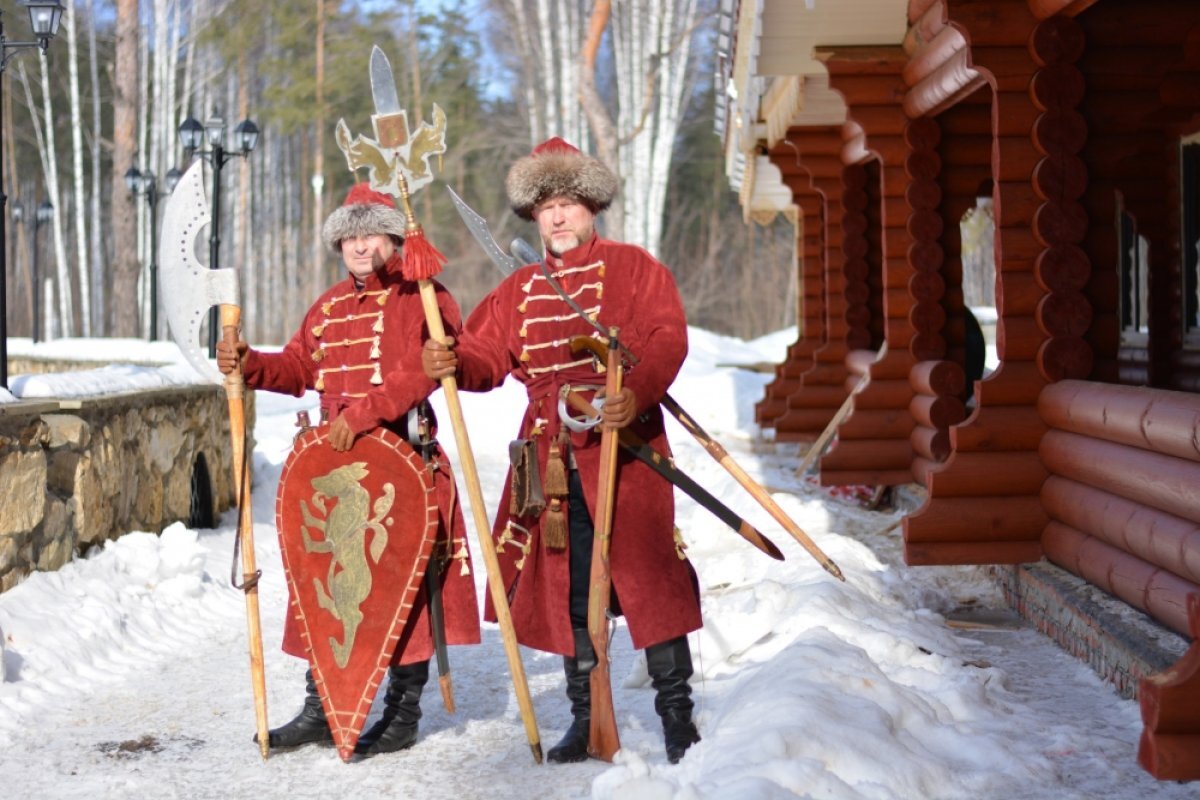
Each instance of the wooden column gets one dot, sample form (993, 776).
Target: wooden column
(994, 460)
(811, 287)
(878, 272)
(816, 156)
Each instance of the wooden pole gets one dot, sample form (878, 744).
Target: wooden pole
(823, 440)
(603, 742)
(235, 393)
(466, 459)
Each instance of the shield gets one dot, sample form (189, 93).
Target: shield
(356, 529)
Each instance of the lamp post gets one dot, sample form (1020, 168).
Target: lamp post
(144, 184)
(44, 17)
(192, 135)
(44, 213)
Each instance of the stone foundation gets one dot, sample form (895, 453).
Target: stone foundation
(75, 473)
(1119, 642)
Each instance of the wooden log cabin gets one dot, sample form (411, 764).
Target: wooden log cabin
(1075, 126)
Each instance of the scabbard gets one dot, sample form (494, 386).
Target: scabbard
(437, 621)
(642, 451)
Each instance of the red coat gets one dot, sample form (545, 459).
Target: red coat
(361, 350)
(523, 328)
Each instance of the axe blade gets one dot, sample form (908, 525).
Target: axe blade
(189, 289)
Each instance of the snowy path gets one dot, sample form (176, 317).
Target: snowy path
(127, 675)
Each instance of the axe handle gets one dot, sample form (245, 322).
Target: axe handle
(235, 393)
(483, 529)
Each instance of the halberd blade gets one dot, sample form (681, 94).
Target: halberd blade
(188, 288)
(383, 84)
(478, 227)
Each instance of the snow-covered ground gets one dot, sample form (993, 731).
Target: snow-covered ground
(125, 673)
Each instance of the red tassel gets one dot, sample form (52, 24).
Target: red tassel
(422, 260)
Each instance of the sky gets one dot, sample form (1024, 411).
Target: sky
(125, 673)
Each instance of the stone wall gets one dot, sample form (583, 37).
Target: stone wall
(75, 473)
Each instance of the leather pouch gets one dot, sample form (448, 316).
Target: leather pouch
(526, 498)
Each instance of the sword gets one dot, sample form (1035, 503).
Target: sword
(433, 578)
(640, 449)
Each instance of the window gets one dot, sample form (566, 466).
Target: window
(1132, 262)
(1189, 189)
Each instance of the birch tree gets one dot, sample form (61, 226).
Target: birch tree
(549, 34)
(66, 305)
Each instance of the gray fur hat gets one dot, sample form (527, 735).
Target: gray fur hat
(557, 168)
(364, 213)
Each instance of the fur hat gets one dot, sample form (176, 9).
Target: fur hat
(556, 168)
(364, 213)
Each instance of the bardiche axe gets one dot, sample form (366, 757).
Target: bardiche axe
(189, 291)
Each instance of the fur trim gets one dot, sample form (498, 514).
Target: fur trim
(562, 170)
(361, 219)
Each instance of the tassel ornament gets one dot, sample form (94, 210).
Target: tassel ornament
(554, 525)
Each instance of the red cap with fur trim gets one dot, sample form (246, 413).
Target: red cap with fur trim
(365, 212)
(556, 168)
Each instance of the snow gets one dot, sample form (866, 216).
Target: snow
(125, 673)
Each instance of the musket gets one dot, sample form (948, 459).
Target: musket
(189, 289)
(398, 164)
(603, 742)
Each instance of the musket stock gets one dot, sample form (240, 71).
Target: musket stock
(603, 742)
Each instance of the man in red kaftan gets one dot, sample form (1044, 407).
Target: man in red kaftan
(523, 328)
(359, 347)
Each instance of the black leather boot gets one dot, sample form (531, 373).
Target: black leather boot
(309, 725)
(574, 744)
(670, 666)
(397, 728)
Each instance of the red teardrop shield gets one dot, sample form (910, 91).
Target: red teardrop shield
(356, 529)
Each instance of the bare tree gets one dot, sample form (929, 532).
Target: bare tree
(123, 305)
(98, 294)
(82, 267)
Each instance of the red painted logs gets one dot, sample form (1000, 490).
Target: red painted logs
(1163, 482)
(1151, 419)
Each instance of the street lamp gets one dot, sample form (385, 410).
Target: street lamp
(44, 17)
(192, 135)
(43, 214)
(143, 183)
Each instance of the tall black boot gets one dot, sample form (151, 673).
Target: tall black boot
(574, 744)
(397, 728)
(309, 725)
(670, 666)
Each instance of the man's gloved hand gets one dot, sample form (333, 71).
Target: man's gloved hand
(340, 437)
(439, 360)
(229, 358)
(619, 411)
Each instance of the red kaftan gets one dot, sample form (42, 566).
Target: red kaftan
(361, 350)
(523, 328)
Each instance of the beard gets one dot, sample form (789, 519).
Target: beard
(563, 242)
